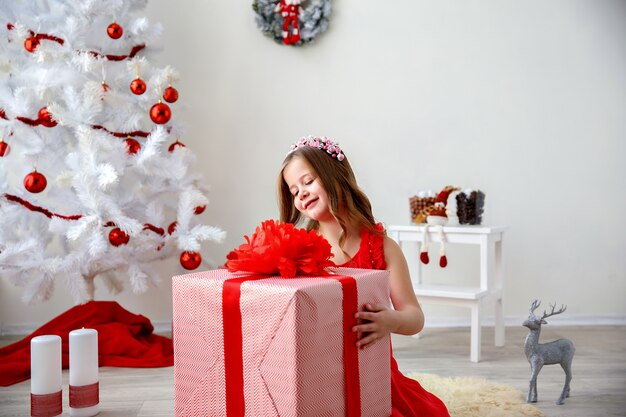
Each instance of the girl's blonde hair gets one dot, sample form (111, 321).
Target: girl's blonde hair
(348, 204)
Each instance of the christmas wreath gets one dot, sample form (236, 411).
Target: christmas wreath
(292, 22)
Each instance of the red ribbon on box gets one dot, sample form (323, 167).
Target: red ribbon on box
(233, 345)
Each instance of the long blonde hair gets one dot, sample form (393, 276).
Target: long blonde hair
(347, 203)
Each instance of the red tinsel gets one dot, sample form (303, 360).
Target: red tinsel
(49, 214)
(281, 249)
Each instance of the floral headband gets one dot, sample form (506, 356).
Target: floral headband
(323, 143)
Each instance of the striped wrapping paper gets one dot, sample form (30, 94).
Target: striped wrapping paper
(292, 346)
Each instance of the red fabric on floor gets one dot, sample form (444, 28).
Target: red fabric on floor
(124, 339)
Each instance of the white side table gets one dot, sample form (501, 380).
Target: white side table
(491, 275)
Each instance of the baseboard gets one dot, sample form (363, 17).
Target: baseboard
(160, 327)
(165, 327)
(513, 321)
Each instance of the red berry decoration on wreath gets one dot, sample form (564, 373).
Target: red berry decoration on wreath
(45, 118)
(138, 86)
(118, 237)
(190, 260)
(35, 182)
(132, 146)
(4, 148)
(175, 145)
(160, 113)
(115, 31)
(170, 94)
(31, 43)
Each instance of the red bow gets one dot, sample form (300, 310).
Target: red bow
(278, 248)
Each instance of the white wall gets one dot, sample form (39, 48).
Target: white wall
(525, 100)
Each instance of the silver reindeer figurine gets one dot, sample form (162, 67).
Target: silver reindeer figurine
(560, 351)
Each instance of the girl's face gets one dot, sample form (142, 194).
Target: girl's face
(309, 197)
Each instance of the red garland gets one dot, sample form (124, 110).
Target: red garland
(139, 133)
(15, 199)
(155, 229)
(39, 209)
(39, 35)
(281, 249)
(134, 51)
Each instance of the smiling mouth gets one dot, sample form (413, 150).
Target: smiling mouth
(308, 204)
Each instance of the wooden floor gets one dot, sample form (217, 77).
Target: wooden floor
(598, 387)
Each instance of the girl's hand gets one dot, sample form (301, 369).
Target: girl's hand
(379, 321)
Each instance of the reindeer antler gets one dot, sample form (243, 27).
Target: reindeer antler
(534, 307)
(552, 312)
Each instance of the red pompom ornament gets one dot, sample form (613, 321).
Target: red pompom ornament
(160, 113)
(45, 118)
(199, 209)
(190, 260)
(115, 31)
(175, 145)
(35, 182)
(138, 86)
(31, 43)
(172, 227)
(170, 94)
(132, 146)
(4, 148)
(118, 237)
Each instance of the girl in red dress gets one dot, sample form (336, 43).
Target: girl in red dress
(317, 182)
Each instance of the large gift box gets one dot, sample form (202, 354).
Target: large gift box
(258, 346)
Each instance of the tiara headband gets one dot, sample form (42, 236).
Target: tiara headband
(323, 143)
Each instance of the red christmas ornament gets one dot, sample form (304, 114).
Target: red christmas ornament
(115, 31)
(35, 182)
(172, 227)
(170, 94)
(190, 260)
(174, 145)
(199, 209)
(31, 44)
(117, 237)
(45, 118)
(132, 146)
(4, 148)
(160, 113)
(138, 86)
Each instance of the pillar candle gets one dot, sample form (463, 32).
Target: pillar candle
(84, 388)
(45, 376)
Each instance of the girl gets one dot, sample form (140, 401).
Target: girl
(317, 182)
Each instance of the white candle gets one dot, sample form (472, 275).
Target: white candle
(83, 373)
(45, 376)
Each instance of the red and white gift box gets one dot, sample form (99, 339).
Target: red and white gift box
(283, 351)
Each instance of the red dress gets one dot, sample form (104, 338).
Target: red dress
(408, 398)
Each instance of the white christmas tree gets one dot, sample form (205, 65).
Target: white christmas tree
(94, 180)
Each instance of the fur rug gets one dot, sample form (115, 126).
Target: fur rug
(474, 397)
